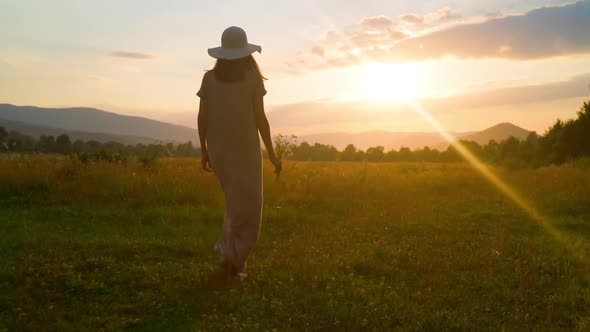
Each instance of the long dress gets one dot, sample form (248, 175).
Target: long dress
(234, 152)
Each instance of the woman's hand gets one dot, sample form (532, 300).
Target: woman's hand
(277, 163)
(205, 162)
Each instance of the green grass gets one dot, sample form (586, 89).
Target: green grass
(344, 246)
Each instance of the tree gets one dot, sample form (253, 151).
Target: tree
(93, 147)
(426, 154)
(530, 150)
(473, 147)
(510, 152)
(375, 154)
(584, 128)
(302, 152)
(351, 153)
(186, 150)
(3, 139)
(405, 154)
(491, 152)
(324, 152)
(170, 149)
(63, 144)
(79, 147)
(392, 155)
(46, 144)
(285, 145)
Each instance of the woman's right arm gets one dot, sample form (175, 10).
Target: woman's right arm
(203, 128)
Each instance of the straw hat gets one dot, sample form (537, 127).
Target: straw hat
(234, 45)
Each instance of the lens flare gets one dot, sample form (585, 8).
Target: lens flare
(390, 82)
(501, 185)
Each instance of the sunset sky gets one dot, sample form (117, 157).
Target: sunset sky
(332, 65)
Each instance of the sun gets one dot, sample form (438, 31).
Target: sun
(390, 82)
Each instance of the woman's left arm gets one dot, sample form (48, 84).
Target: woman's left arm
(264, 129)
(202, 124)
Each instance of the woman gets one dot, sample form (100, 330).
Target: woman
(231, 113)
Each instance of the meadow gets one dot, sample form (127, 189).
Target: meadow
(344, 246)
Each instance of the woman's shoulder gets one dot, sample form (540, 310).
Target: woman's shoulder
(208, 75)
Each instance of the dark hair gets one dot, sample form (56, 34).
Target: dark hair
(235, 70)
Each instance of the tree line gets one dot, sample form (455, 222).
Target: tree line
(563, 141)
(16, 142)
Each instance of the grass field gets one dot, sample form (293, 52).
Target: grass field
(344, 246)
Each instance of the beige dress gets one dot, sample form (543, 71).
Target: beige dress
(234, 151)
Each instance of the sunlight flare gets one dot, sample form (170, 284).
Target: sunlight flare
(391, 82)
(500, 184)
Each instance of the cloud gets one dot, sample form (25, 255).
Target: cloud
(378, 23)
(540, 33)
(341, 48)
(443, 14)
(318, 50)
(411, 19)
(372, 31)
(369, 36)
(131, 55)
(437, 17)
(576, 86)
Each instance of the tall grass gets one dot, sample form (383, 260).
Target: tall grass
(344, 246)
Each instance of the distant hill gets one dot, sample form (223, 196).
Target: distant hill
(96, 123)
(498, 132)
(36, 131)
(396, 140)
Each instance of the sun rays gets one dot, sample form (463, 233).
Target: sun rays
(390, 82)
(500, 184)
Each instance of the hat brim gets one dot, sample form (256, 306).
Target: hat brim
(233, 53)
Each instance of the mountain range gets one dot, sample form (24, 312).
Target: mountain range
(81, 121)
(94, 124)
(414, 140)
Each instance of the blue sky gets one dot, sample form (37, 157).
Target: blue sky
(65, 53)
